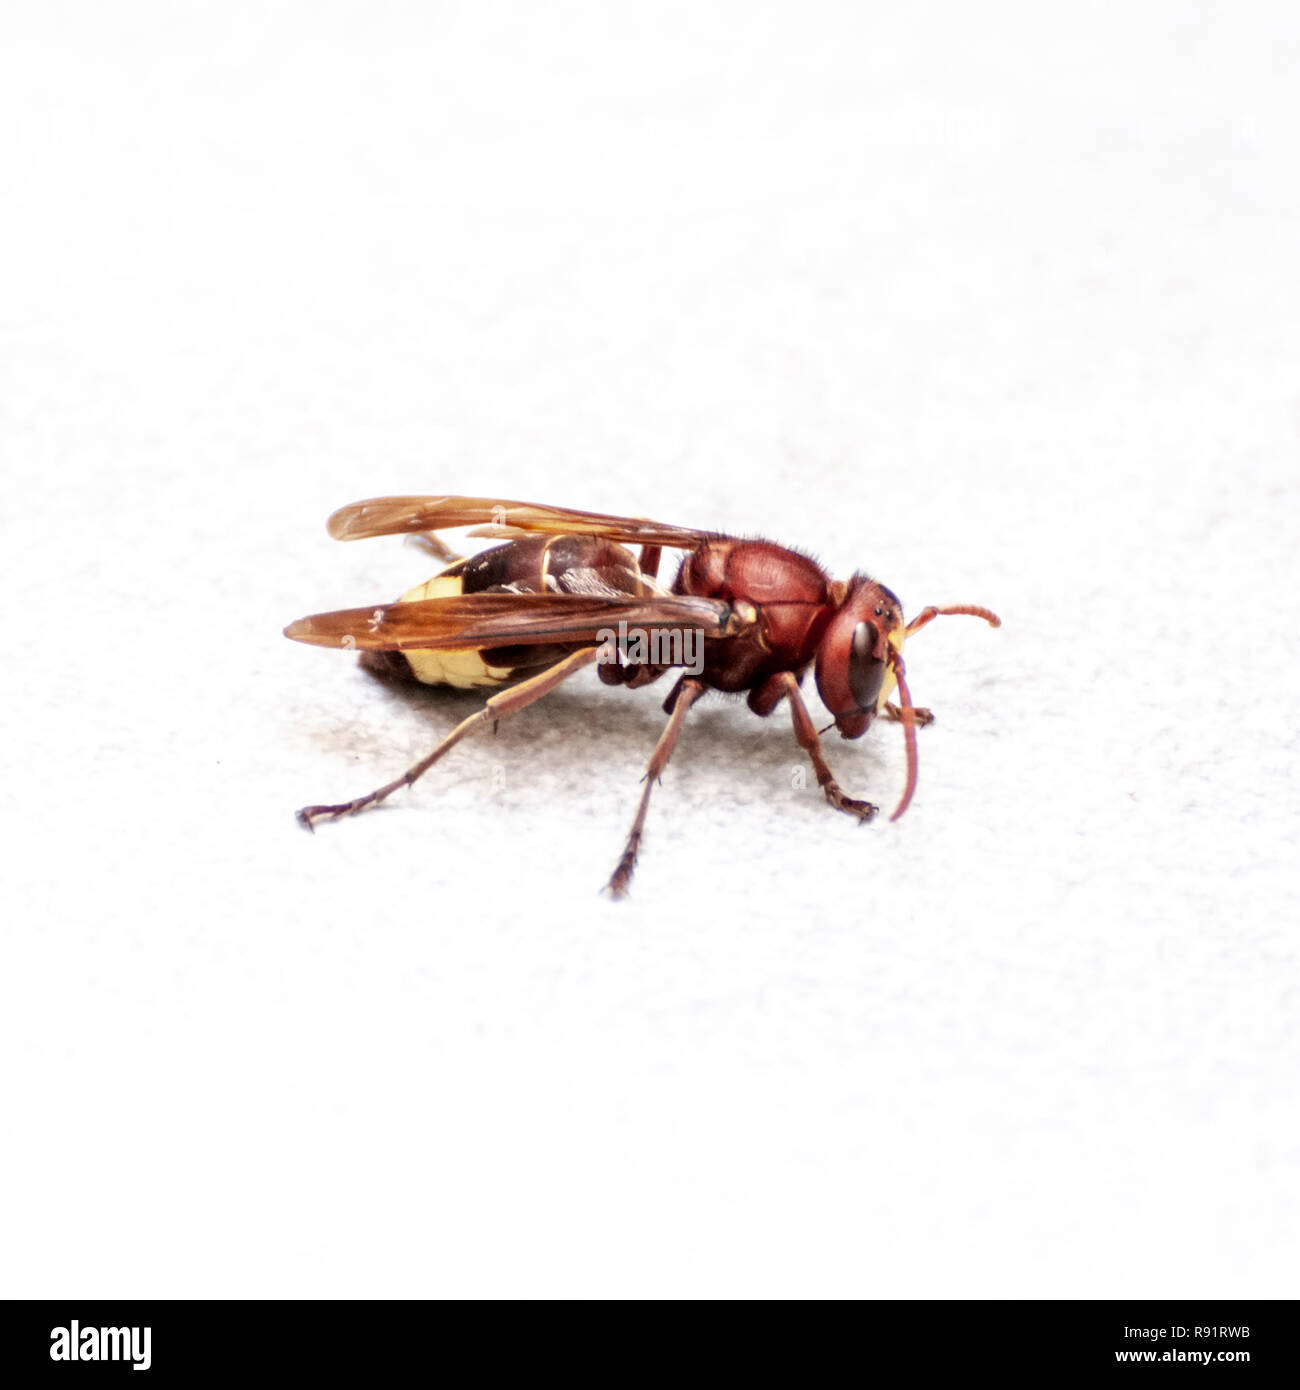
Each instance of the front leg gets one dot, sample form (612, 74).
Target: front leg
(805, 732)
(920, 716)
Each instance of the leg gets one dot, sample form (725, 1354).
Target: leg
(688, 692)
(805, 733)
(434, 544)
(920, 717)
(500, 706)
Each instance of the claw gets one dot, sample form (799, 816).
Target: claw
(920, 715)
(863, 810)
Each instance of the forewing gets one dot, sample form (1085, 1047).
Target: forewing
(391, 516)
(491, 620)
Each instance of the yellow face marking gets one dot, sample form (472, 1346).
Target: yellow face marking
(463, 669)
(896, 640)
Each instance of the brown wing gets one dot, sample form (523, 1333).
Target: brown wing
(491, 620)
(391, 516)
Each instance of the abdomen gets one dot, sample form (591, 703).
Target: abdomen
(535, 565)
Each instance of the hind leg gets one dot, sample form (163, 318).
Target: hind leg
(500, 706)
(433, 544)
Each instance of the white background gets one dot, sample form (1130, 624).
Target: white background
(999, 301)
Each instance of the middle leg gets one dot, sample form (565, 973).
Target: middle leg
(805, 732)
(681, 700)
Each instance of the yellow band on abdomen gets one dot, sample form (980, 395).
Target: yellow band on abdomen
(463, 669)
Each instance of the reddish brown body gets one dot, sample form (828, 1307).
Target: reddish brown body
(792, 595)
(538, 608)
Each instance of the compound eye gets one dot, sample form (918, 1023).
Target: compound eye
(866, 670)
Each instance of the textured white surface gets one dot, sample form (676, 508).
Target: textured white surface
(997, 301)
